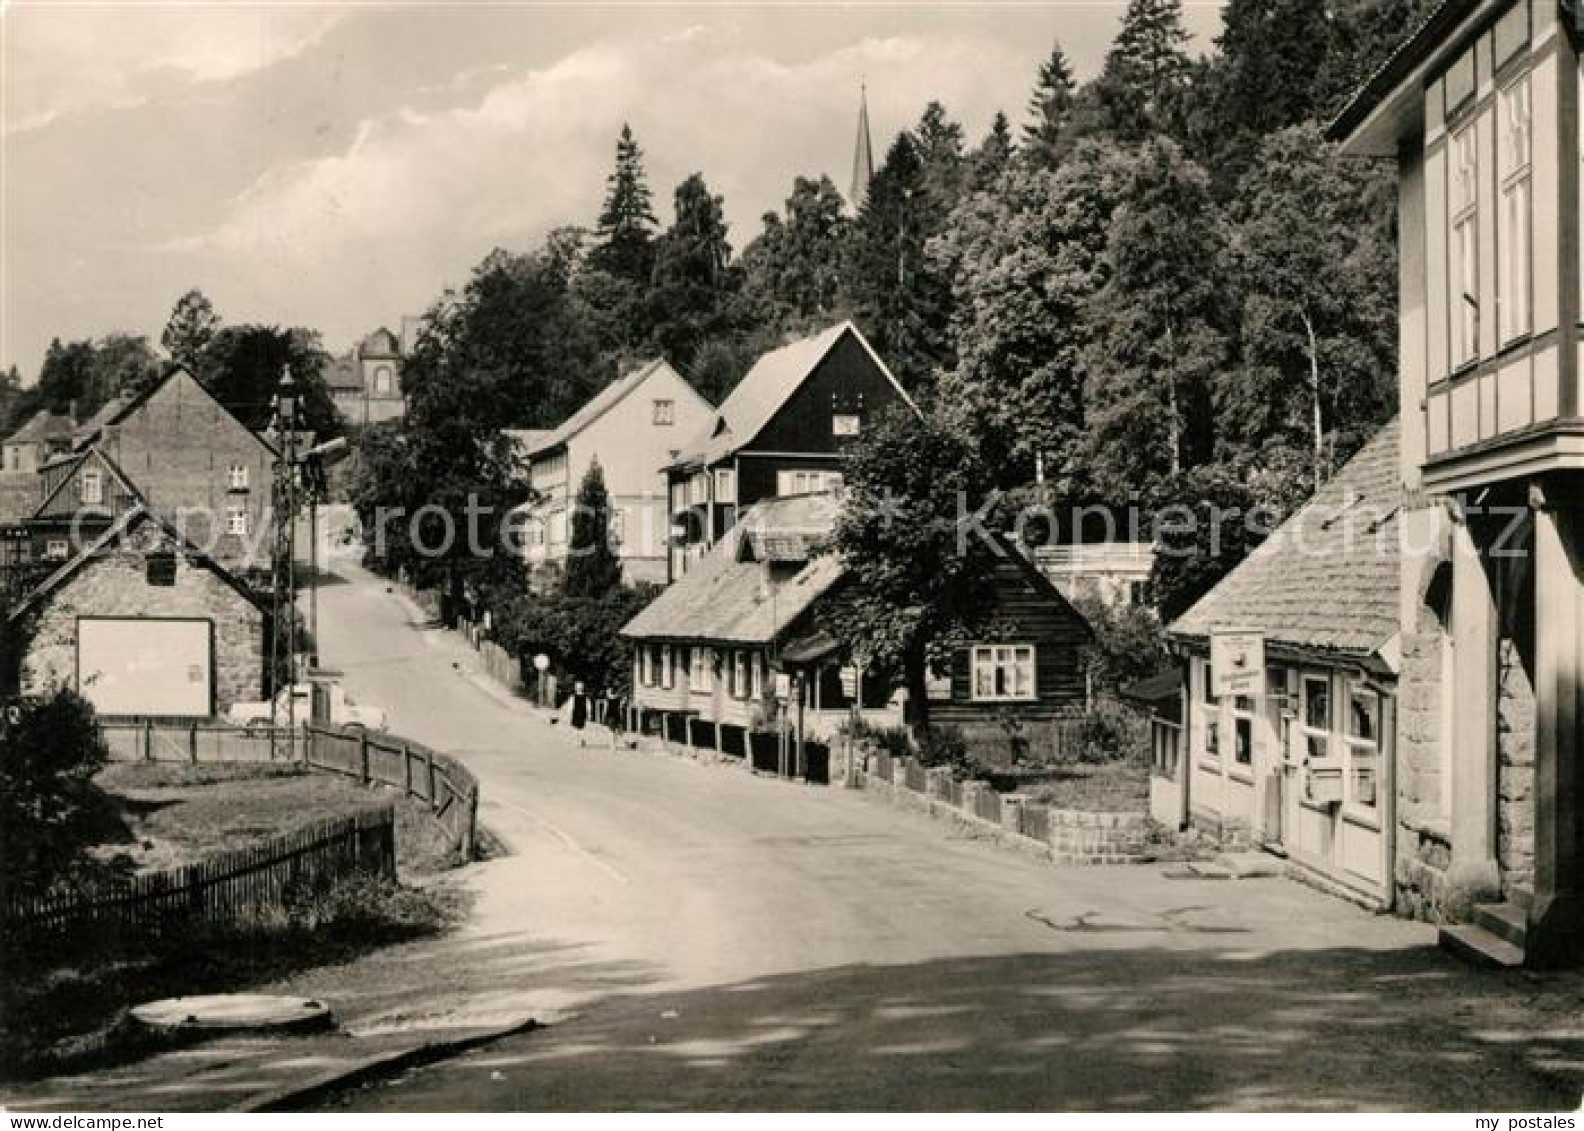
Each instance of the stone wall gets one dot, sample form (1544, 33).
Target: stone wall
(1424, 836)
(117, 585)
(1064, 836)
(1515, 743)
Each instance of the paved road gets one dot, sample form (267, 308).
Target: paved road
(721, 940)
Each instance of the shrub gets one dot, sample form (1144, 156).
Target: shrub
(944, 746)
(1100, 738)
(51, 811)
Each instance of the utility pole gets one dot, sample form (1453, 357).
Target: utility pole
(284, 603)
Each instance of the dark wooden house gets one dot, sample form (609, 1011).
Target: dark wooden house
(780, 433)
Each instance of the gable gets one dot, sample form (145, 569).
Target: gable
(846, 381)
(1025, 598)
(66, 498)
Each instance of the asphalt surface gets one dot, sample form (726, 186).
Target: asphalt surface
(718, 940)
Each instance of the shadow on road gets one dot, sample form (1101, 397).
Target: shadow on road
(1148, 1029)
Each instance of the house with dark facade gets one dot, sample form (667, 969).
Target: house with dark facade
(1480, 110)
(1302, 762)
(780, 433)
(736, 644)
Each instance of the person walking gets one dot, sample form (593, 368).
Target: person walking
(580, 709)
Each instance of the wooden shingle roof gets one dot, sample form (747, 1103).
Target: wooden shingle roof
(731, 596)
(1327, 580)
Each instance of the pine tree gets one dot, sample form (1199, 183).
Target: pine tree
(592, 568)
(626, 223)
(994, 154)
(1146, 70)
(1050, 107)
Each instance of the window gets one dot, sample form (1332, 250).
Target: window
(1243, 730)
(1463, 247)
(1003, 672)
(678, 496)
(57, 549)
(845, 424)
(698, 488)
(758, 677)
(647, 672)
(701, 676)
(557, 528)
(1513, 239)
(1212, 713)
(236, 520)
(237, 477)
(739, 680)
(806, 482)
(382, 381)
(667, 672)
(160, 569)
(725, 485)
(665, 412)
(618, 527)
(91, 487)
(1314, 719)
(1363, 746)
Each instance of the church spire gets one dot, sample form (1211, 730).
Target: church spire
(863, 154)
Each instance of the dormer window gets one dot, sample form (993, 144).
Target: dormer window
(91, 487)
(237, 477)
(665, 412)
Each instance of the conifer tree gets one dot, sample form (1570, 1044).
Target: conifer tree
(592, 568)
(626, 223)
(1050, 107)
(1146, 70)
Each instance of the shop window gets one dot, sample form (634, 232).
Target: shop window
(1003, 673)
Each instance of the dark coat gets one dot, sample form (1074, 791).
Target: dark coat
(580, 711)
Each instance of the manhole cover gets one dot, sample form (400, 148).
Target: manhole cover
(234, 1012)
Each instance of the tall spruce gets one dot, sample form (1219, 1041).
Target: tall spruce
(1146, 72)
(625, 234)
(691, 279)
(1050, 109)
(994, 154)
(592, 568)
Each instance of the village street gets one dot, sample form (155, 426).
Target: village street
(721, 940)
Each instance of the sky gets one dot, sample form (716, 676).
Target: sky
(338, 166)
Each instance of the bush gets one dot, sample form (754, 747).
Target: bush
(944, 746)
(1100, 738)
(895, 741)
(51, 812)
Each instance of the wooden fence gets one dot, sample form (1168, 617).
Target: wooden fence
(451, 792)
(188, 741)
(219, 889)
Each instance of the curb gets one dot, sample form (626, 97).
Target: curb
(386, 1064)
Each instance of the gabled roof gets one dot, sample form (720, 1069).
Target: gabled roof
(95, 455)
(726, 599)
(1326, 581)
(1417, 49)
(123, 405)
(598, 405)
(101, 545)
(41, 426)
(766, 388)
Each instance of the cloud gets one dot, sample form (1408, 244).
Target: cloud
(65, 60)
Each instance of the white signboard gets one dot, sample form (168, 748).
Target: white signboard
(136, 666)
(783, 686)
(1237, 663)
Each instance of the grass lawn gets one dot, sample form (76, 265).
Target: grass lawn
(1111, 787)
(174, 812)
(63, 1003)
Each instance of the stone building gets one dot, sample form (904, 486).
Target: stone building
(1480, 109)
(143, 624)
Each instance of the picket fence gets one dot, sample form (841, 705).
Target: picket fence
(451, 792)
(221, 888)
